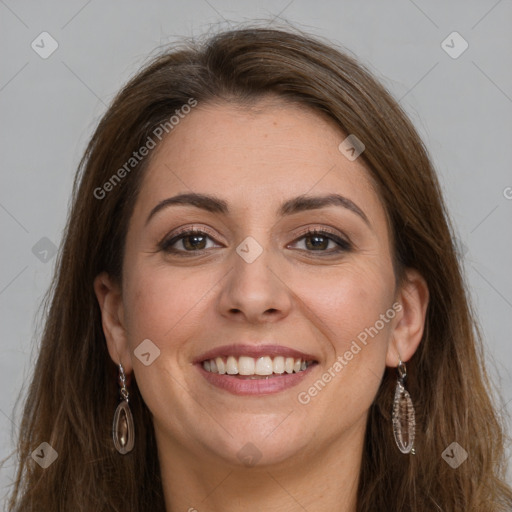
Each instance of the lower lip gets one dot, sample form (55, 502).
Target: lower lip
(263, 386)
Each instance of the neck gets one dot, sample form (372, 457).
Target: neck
(323, 480)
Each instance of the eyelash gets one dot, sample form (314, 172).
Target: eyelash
(166, 244)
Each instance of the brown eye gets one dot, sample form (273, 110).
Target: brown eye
(317, 242)
(188, 241)
(194, 242)
(323, 242)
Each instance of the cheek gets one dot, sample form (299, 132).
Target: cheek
(355, 313)
(347, 303)
(161, 302)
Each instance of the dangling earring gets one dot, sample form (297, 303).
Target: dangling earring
(404, 422)
(123, 431)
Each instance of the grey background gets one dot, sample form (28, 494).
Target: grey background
(462, 108)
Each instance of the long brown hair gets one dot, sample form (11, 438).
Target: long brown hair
(73, 392)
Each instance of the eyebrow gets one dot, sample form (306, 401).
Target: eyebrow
(297, 204)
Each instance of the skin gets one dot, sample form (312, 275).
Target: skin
(292, 294)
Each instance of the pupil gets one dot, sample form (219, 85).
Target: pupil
(195, 239)
(318, 241)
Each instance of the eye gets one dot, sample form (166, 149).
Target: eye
(192, 240)
(318, 240)
(195, 240)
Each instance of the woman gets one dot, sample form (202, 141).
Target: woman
(258, 304)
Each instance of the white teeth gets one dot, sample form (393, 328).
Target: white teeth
(221, 367)
(246, 365)
(232, 366)
(264, 365)
(278, 364)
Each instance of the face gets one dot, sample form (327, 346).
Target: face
(293, 298)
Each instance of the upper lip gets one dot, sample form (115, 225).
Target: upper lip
(237, 350)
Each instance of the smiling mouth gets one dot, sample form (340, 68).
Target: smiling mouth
(250, 368)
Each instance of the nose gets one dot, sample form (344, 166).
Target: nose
(255, 292)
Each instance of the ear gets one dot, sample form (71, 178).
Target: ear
(110, 300)
(413, 296)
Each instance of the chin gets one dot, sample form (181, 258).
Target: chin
(257, 448)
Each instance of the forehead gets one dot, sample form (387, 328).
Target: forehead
(256, 158)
